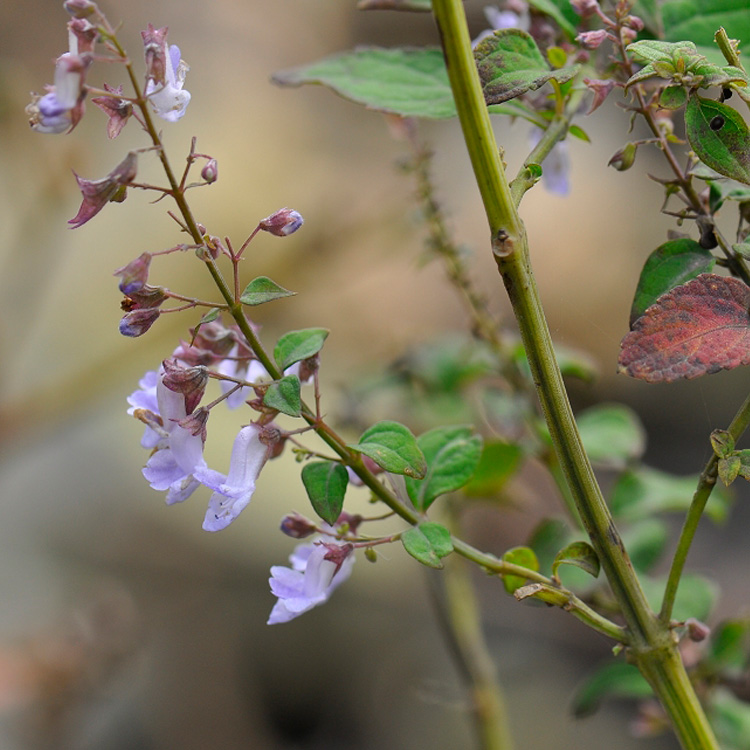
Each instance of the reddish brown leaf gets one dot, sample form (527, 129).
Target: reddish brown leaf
(696, 329)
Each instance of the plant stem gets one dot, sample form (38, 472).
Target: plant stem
(706, 483)
(651, 645)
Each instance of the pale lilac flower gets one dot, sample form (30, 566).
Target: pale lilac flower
(233, 491)
(309, 582)
(241, 368)
(145, 399)
(61, 108)
(503, 19)
(556, 167)
(168, 97)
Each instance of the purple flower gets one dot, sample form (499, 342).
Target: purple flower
(283, 222)
(61, 108)
(317, 570)
(233, 491)
(166, 75)
(502, 19)
(97, 193)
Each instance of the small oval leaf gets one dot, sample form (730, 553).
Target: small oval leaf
(262, 290)
(671, 264)
(394, 448)
(719, 136)
(526, 558)
(428, 543)
(612, 434)
(284, 396)
(580, 554)
(326, 483)
(298, 345)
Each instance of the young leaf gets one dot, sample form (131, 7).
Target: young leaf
(729, 469)
(670, 265)
(428, 543)
(642, 493)
(580, 554)
(719, 136)
(722, 442)
(284, 395)
(325, 483)
(698, 19)
(298, 345)
(406, 82)
(617, 680)
(392, 447)
(262, 290)
(526, 558)
(698, 328)
(510, 64)
(452, 455)
(612, 434)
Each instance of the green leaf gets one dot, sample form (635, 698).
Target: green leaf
(729, 469)
(498, 462)
(730, 719)
(722, 443)
(719, 136)
(729, 646)
(298, 345)
(525, 557)
(406, 82)
(392, 447)
(326, 483)
(673, 97)
(428, 543)
(670, 265)
(645, 542)
(696, 596)
(452, 455)
(580, 554)
(744, 456)
(547, 538)
(262, 290)
(612, 434)
(641, 493)
(561, 12)
(614, 680)
(698, 20)
(510, 64)
(209, 317)
(284, 395)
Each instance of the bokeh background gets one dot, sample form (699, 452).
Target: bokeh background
(123, 626)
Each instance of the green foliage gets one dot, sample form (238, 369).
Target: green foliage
(406, 82)
(729, 648)
(614, 680)
(696, 596)
(579, 554)
(524, 557)
(698, 20)
(730, 718)
(719, 136)
(510, 64)
(561, 11)
(452, 455)
(428, 543)
(295, 346)
(394, 448)
(326, 483)
(641, 493)
(671, 264)
(262, 290)
(284, 395)
(645, 542)
(612, 435)
(498, 462)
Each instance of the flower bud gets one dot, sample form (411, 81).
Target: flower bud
(274, 440)
(210, 171)
(148, 296)
(282, 223)
(134, 275)
(371, 555)
(633, 22)
(624, 158)
(185, 380)
(585, 8)
(697, 631)
(297, 526)
(592, 39)
(81, 8)
(136, 323)
(195, 423)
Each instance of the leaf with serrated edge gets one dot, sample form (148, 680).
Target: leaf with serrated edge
(698, 328)
(510, 64)
(404, 81)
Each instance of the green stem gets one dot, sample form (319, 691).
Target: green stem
(650, 643)
(706, 483)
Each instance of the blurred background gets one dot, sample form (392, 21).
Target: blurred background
(124, 626)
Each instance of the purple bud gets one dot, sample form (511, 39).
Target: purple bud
(297, 526)
(81, 8)
(210, 171)
(585, 8)
(282, 223)
(134, 275)
(337, 553)
(147, 296)
(697, 631)
(195, 423)
(155, 50)
(592, 39)
(136, 323)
